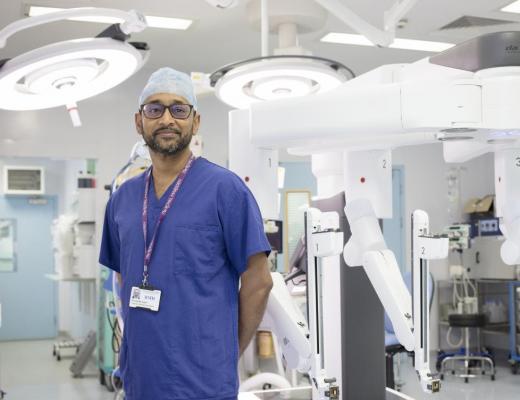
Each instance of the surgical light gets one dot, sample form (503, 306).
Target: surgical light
(513, 7)
(276, 77)
(291, 71)
(66, 72)
(405, 44)
(152, 21)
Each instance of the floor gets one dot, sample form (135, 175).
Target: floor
(505, 387)
(28, 371)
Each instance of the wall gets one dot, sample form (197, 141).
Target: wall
(54, 173)
(76, 302)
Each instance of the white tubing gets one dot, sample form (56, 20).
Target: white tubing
(448, 339)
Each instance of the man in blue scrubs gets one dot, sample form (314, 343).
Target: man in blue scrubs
(181, 236)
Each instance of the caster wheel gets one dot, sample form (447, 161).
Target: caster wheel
(466, 380)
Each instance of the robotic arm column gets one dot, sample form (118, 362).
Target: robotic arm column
(323, 241)
(424, 247)
(507, 176)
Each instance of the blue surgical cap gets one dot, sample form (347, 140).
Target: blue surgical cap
(169, 80)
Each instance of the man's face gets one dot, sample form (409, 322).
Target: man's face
(167, 135)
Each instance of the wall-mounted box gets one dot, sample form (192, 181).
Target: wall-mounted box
(19, 180)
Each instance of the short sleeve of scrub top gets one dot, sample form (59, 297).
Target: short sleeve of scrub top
(242, 224)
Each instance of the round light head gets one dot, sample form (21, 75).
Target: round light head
(63, 76)
(279, 77)
(279, 87)
(66, 72)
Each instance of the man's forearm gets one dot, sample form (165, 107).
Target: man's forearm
(252, 307)
(256, 284)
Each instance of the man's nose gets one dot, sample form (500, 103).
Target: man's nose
(167, 118)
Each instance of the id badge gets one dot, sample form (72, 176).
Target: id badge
(146, 298)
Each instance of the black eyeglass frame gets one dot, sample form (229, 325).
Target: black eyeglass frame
(141, 110)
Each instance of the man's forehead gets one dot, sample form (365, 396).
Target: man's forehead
(166, 98)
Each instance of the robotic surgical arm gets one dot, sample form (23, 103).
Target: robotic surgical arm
(301, 345)
(288, 323)
(300, 342)
(409, 314)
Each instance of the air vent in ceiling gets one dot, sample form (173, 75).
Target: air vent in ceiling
(474, 22)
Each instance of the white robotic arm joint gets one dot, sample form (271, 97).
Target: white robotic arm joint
(433, 247)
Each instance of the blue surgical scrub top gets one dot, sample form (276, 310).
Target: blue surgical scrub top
(189, 348)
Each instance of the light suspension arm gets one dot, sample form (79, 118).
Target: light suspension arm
(375, 35)
(132, 21)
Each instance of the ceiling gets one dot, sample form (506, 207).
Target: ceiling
(219, 37)
(216, 38)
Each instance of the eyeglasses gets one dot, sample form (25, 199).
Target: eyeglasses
(156, 110)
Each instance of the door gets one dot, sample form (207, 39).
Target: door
(27, 297)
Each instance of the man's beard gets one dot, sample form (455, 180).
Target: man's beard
(170, 149)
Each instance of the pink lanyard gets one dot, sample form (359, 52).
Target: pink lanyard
(148, 251)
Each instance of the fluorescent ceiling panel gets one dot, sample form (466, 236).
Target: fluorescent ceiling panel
(514, 7)
(168, 23)
(406, 44)
(153, 21)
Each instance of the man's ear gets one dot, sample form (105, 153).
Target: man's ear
(196, 123)
(138, 123)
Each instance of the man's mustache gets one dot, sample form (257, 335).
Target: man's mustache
(171, 129)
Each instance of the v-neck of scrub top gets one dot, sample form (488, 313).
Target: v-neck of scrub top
(153, 201)
(155, 206)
